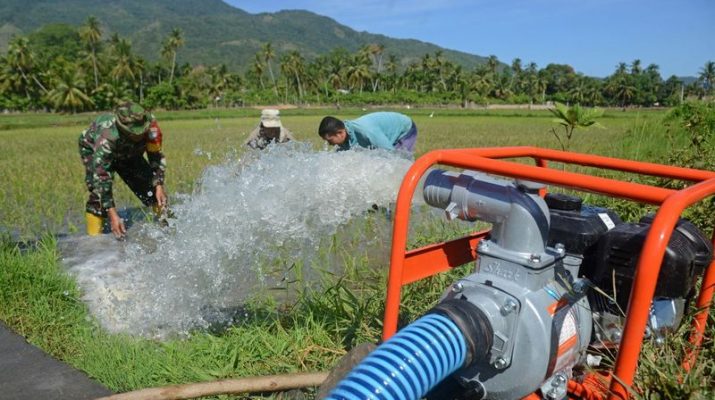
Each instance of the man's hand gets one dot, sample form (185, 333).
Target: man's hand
(116, 223)
(161, 199)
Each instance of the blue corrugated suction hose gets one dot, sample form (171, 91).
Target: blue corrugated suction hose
(409, 364)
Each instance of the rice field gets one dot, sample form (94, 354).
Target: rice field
(42, 197)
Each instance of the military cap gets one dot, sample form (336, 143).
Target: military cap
(132, 118)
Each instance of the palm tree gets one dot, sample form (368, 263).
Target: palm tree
(11, 80)
(357, 75)
(492, 64)
(68, 91)
(707, 76)
(111, 93)
(621, 68)
(375, 51)
(258, 69)
(502, 87)
(577, 93)
(624, 89)
(124, 61)
(171, 45)
(517, 69)
(20, 57)
(481, 82)
(91, 34)
(391, 68)
(221, 81)
(293, 66)
(412, 77)
(441, 68)
(572, 118)
(140, 68)
(636, 67)
(268, 55)
(337, 61)
(358, 69)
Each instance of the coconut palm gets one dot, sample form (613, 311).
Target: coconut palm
(268, 56)
(492, 64)
(20, 57)
(622, 88)
(124, 61)
(517, 71)
(707, 76)
(221, 80)
(375, 52)
(358, 72)
(293, 67)
(11, 80)
(337, 63)
(140, 69)
(621, 69)
(91, 35)
(577, 93)
(636, 67)
(110, 94)
(501, 88)
(481, 82)
(68, 92)
(391, 68)
(258, 68)
(171, 44)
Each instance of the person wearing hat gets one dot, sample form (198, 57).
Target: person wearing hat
(117, 143)
(268, 130)
(378, 130)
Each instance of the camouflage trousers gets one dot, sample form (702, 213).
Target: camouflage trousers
(135, 172)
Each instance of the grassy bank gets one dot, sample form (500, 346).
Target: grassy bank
(42, 194)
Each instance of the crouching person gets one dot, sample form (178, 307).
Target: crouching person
(269, 130)
(116, 143)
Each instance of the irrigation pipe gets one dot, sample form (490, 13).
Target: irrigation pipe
(270, 383)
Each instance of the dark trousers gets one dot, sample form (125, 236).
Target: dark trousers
(135, 172)
(407, 142)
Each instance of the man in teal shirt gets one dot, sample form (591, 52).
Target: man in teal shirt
(384, 130)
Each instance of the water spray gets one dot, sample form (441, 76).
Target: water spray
(241, 231)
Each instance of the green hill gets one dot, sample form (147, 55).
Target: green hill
(214, 31)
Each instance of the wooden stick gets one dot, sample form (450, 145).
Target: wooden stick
(271, 383)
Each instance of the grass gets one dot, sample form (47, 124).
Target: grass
(42, 194)
(42, 176)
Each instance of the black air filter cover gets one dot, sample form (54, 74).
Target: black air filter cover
(575, 225)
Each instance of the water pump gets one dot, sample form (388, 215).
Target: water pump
(551, 280)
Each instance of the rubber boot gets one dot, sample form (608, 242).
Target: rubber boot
(162, 215)
(94, 224)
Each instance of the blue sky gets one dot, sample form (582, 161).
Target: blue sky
(593, 36)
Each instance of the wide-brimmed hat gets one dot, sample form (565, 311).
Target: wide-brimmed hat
(270, 118)
(132, 118)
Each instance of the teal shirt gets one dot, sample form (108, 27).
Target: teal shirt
(376, 130)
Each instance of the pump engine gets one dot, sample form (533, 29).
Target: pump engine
(552, 279)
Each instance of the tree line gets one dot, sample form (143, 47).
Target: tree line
(72, 69)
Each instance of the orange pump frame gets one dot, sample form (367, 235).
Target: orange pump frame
(410, 266)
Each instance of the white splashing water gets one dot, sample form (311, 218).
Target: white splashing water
(271, 210)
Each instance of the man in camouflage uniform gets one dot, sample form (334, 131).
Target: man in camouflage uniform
(117, 143)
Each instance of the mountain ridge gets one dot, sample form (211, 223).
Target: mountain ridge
(214, 31)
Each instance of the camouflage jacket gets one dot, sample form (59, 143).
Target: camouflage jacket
(101, 146)
(258, 140)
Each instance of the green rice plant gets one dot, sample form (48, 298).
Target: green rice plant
(43, 192)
